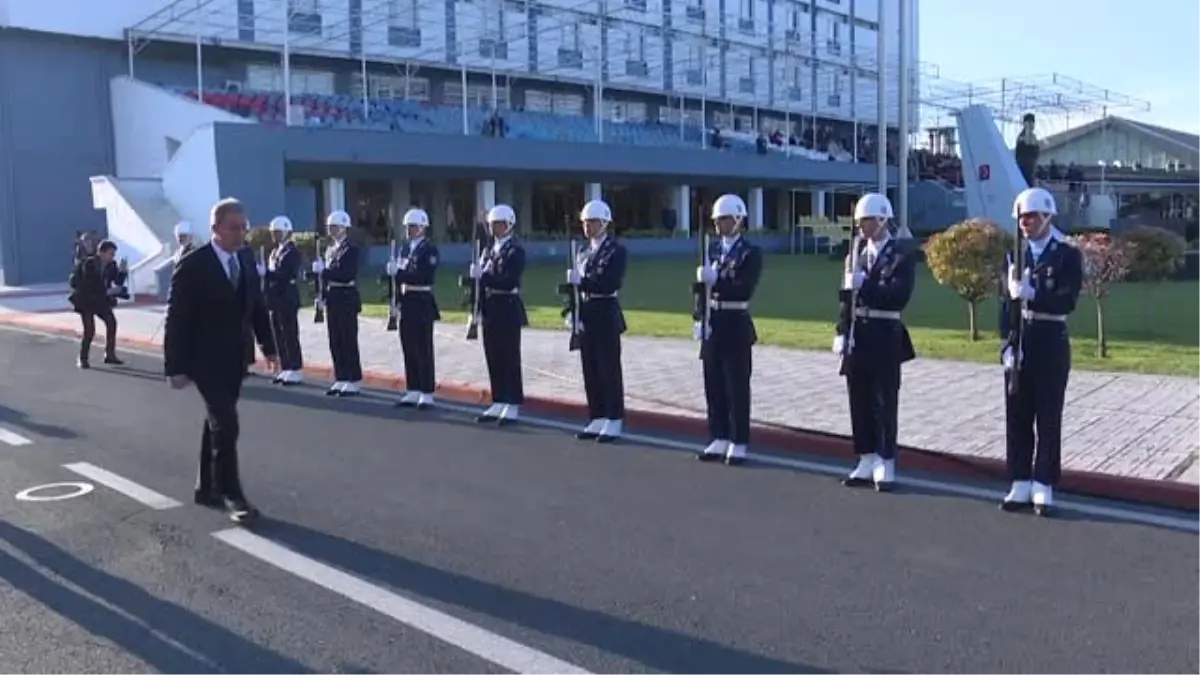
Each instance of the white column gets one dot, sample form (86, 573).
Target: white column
(683, 209)
(335, 194)
(485, 196)
(592, 191)
(818, 203)
(401, 200)
(756, 208)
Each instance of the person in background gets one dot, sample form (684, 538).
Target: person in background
(94, 291)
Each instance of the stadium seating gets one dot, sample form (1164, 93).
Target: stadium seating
(342, 111)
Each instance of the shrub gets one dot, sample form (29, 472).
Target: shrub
(1106, 261)
(968, 257)
(1156, 253)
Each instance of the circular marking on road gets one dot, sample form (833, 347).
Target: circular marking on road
(79, 490)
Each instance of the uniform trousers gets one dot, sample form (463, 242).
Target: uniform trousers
(874, 389)
(342, 326)
(603, 379)
(502, 351)
(416, 342)
(1037, 406)
(728, 365)
(218, 441)
(286, 324)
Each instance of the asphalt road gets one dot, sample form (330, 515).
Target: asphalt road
(405, 541)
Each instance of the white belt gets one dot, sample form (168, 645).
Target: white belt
(1042, 316)
(497, 291)
(728, 304)
(867, 313)
(405, 288)
(589, 296)
(339, 284)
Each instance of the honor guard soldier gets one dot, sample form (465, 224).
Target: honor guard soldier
(872, 340)
(498, 273)
(725, 284)
(1040, 292)
(343, 304)
(183, 237)
(283, 299)
(597, 276)
(414, 273)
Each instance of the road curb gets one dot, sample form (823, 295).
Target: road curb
(1150, 492)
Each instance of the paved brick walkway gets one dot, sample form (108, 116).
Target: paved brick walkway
(1135, 425)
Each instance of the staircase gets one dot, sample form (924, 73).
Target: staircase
(141, 222)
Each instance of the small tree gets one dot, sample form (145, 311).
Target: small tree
(968, 257)
(1156, 252)
(1106, 261)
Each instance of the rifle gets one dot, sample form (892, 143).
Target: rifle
(702, 293)
(393, 320)
(1016, 311)
(570, 294)
(319, 289)
(849, 298)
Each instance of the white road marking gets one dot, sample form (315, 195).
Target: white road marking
(77, 490)
(468, 637)
(138, 493)
(13, 438)
(1132, 515)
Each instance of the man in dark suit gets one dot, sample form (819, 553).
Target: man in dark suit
(95, 284)
(216, 303)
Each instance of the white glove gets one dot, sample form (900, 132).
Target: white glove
(476, 271)
(392, 268)
(698, 330)
(838, 343)
(318, 266)
(706, 274)
(1019, 289)
(262, 269)
(854, 280)
(1006, 358)
(271, 265)
(403, 263)
(573, 276)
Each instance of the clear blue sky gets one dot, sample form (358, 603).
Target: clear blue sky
(1148, 48)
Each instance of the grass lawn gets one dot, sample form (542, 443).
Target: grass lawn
(1152, 328)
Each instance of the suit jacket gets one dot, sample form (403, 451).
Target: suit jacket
(89, 286)
(211, 325)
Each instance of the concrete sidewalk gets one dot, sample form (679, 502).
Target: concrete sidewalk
(1142, 426)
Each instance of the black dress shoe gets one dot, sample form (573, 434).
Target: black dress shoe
(331, 392)
(1012, 507)
(606, 438)
(206, 497)
(586, 435)
(709, 456)
(505, 422)
(884, 486)
(1044, 510)
(487, 419)
(857, 482)
(735, 461)
(113, 361)
(240, 510)
(82, 364)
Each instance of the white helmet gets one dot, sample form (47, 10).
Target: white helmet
(280, 224)
(597, 209)
(1034, 200)
(415, 218)
(183, 227)
(338, 219)
(729, 206)
(502, 213)
(873, 205)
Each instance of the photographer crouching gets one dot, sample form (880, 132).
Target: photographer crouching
(96, 283)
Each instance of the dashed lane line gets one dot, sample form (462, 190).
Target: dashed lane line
(134, 491)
